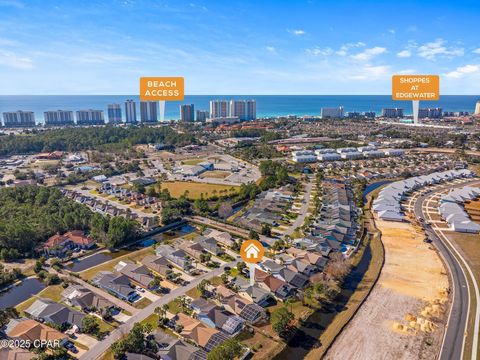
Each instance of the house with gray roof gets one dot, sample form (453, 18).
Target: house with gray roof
(118, 285)
(85, 299)
(46, 310)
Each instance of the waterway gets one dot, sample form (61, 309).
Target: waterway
(104, 256)
(307, 336)
(19, 293)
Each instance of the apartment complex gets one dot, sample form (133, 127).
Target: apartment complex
(130, 112)
(392, 113)
(148, 111)
(430, 113)
(332, 113)
(59, 117)
(90, 117)
(187, 112)
(19, 119)
(202, 115)
(114, 114)
(242, 109)
(218, 108)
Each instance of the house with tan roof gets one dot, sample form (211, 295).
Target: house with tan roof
(206, 337)
(28, 329)
(16, 354)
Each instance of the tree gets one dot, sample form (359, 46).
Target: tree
(228, 349)
(267, 230)
(205, 257)
(202, 287)
(280, 320)
(225, 210)
(90, 325)
(6, 315)
(253, 235)
(338, 267)
(240, 266)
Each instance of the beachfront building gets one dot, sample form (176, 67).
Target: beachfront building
(218, 109)
(187, 112)
(130, 112)
(392, 113)
(332, 113)
(202, 115)
(90, 117)
(243, 109)
(58, 117)
(114, 114)
(148, 111)
(19, 119)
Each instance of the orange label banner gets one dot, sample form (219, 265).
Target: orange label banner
(162, 88)
(415, 87)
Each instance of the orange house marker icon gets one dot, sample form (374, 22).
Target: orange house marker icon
(252, 251)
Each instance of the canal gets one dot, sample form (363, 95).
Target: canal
(19, 293)
(87, 262)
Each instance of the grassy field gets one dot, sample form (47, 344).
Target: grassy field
(109, 265)
(142, 303)
(178, 188)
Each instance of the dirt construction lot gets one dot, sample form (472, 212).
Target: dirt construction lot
(404, 316)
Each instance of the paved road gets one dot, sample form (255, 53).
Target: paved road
(96, 351)
(303, 210)
(452, 348)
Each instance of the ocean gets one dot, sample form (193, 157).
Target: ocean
(267, 105)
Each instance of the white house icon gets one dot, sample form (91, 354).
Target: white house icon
(252, 252)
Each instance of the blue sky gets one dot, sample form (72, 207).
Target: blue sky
(236, 47)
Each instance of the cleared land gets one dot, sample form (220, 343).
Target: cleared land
(195, 190)
(214, 174)
(404, 316)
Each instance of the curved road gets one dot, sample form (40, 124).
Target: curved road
(453, 342)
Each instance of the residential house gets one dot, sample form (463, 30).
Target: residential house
(222, 237)
(117, 284)
(139, 274)
(16, 354)
(58, 245)
(85, 299)
(51, 312)
(247, 310)
(172, 348)
(210, 245)
(176, 256)
(30, 330)
(158, 264)
(216, 317)
(206, 337)
(295, 279)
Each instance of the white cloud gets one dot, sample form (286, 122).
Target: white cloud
(343, 51)
(463, 70)
(15, 61)
(271, 49)
(371, 73)
(297, 32)
(369, 54)
(404, 54)
(391, 31)
(476, 51)
(436, 48)
(317, 51)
